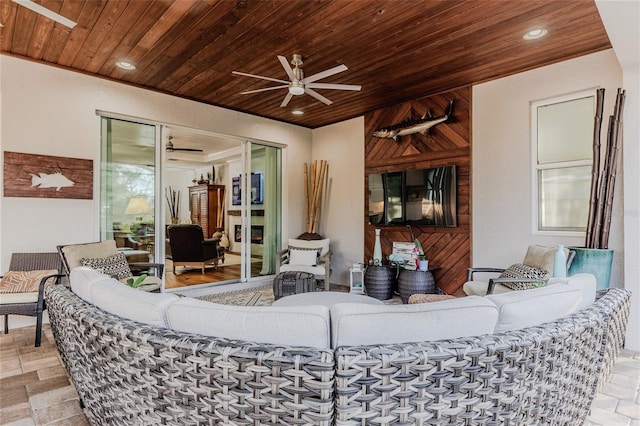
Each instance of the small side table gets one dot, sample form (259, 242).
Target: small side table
(415, 282)
(378, 281)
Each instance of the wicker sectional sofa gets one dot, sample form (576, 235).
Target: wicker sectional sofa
(128, 372)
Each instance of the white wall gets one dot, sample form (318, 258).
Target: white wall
(501, 159)
(622, 20)
(46, 110)
(342, 145)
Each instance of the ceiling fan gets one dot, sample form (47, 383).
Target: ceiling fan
(298, 84)
(170, 148)
(46, 12)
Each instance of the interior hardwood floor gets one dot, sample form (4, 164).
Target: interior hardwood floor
(189, 276)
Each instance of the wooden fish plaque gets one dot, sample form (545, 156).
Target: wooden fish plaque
(45, 176)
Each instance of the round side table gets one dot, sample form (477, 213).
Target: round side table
(415, 282)
(378, 281)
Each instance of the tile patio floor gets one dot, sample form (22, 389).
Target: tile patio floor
(35, 390)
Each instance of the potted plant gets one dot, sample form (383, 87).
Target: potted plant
(596, 257)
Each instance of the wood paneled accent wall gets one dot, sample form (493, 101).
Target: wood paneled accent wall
(447, 249)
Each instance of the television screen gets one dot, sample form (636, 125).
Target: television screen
(414, 197)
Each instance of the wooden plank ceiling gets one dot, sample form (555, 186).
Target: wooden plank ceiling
(397, 50)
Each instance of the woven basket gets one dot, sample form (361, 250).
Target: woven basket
(415, 282)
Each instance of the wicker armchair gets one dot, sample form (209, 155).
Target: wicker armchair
(72, 255)
(537, 256)
(20, 300)
(319, 266)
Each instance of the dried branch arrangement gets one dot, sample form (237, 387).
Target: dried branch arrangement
(603, 178)
(173, 200)
(314, 177)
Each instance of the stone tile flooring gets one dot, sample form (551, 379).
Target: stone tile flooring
(35, 390)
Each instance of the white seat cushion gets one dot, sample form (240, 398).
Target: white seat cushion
(318, 270)
(8, 298)
(293, 326)
(527, 308)
(360, 324)
(479, 288)
(586, 283)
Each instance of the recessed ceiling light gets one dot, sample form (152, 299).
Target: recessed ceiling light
(297, 112)
(535, 34)
(125, 65)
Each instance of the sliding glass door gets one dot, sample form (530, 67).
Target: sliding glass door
(261, 209)
(128, 187)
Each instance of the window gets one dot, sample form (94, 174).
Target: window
(562, 154)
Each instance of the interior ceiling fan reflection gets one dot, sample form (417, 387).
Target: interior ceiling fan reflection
(46, 12)
(298, 84)
(171, 148)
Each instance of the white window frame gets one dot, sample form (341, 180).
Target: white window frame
(535, 167)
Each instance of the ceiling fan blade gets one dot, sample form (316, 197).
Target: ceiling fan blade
(333, 86)
(287, 67)
(324, 74)
(317, 95)
(259, 76)
(46, 12)
(264, 90)
(286, 100)
(188, 149)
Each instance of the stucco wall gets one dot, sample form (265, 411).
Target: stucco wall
(342, 145)
(501, 158)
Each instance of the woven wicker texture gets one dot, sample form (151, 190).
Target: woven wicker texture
(130, 374)
(293, 282)
(541, 375)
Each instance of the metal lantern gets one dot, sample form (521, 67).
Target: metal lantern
(356, 279)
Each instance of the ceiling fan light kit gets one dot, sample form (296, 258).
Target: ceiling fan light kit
(298, 84)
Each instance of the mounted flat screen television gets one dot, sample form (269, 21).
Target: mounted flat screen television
(414, 197)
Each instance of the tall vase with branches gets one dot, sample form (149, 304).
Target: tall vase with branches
(596, 257)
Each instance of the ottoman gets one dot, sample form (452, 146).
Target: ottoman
(293, 282)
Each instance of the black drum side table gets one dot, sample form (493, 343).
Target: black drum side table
(378, 281)
(415, 282)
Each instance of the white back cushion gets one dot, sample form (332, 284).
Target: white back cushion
(83, 278)
(586, 283)
(527, 308)
(119, 299)
(360, 324)
(324, 244)
(291, 326)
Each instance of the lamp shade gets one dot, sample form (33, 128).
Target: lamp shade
(138, 206)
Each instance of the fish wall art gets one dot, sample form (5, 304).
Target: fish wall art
(409, 127)
(45, 176)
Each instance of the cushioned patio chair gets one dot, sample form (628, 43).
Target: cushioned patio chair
(313, 256)
(536, 268)
(190, 248)
(22, 287)
(105, 257)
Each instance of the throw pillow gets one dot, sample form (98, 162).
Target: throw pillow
(25, 281)
(115, 266)
(304, 256)
(518, 270)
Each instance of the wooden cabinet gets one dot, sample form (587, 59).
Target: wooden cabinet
(206, 203)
